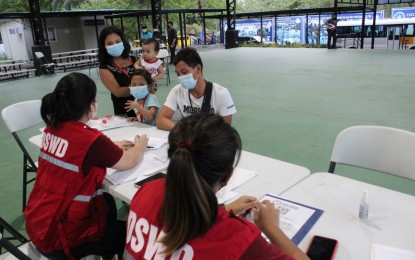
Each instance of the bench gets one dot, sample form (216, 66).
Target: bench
(71, 53)
(13, 74)
(11, 66)
(77, 57)
(2, 62)
(74, 64)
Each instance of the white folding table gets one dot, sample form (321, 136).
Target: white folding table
(391, 214)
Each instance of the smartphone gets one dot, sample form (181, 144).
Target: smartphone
(151, 178)
(322, 248)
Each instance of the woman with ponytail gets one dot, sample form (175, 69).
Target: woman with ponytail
(179, 217)
(68, 215)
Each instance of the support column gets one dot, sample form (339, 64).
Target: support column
(362, 36)
(156, 14)
(36, 20)
(231, 33)
(372, 46)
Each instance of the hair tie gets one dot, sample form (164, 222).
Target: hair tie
(186, 144)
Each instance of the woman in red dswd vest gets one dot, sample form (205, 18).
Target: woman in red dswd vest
(68, 215)
(179, 217)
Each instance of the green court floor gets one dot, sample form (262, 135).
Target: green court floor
(291, 105)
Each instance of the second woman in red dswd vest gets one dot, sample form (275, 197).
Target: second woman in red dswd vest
(179, 217)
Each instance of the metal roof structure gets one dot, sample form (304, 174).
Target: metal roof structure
(108, 13)
(292, 12)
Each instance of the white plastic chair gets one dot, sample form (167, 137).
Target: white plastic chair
(47, 66)
(18, 117)
(164, 56)
(377, 148)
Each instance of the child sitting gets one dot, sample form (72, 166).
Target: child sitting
(146, 103)
(149, 61)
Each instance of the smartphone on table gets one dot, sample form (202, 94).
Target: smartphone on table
(151, 178)
(322, 248)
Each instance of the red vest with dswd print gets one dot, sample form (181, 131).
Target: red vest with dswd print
(66, 208)
(228, 238)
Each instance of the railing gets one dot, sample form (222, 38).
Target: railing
(350, 40)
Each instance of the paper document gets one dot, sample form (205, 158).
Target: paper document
(151, 164)
(295, 219)
(382, 252)
(154, 143)
(239, 177)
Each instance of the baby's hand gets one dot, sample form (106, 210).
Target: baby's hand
(130, 105)
(137, 64)
(153, 88)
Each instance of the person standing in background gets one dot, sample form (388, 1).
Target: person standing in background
(331, 31)
(115, 66)
(172, 40)
(145, 33)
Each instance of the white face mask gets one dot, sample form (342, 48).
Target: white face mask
(187, 81)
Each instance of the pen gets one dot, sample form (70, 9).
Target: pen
(150, 147)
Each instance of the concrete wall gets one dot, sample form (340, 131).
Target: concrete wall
(89, 32)
(67, 33)
(71, 34)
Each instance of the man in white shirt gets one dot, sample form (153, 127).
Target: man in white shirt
(191, 96)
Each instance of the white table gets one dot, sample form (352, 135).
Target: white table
(391, 214)
(274, 176)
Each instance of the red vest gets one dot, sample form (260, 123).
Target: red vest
(66, 208)
(228, 238)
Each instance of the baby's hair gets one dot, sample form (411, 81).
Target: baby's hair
(154, 41)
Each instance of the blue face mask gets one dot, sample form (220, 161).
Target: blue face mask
(115, 50)
(187, 81)
(139, 92)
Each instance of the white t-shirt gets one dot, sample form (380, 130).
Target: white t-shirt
(151, 67)
(221, 101)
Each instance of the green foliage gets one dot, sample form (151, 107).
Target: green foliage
(3, 57)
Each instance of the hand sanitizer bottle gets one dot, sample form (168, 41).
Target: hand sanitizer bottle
(364, 206)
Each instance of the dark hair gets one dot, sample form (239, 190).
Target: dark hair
(152, 41)
(202, 151)
(103, 55)
(170, 22)
(189, 56)
(70, 100)
(145, 74)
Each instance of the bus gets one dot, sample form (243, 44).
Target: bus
(389, 33)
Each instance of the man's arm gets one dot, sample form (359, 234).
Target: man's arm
(164, 119)
(228, 119)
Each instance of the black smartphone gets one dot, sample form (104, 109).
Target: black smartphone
(150, 178)
(322, 248)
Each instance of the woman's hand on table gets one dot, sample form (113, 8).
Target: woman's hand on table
(124, 144)
(241, 205)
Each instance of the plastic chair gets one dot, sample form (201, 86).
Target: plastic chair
(164, 56)
(377, 148)
(18, 117)
(48, 67)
